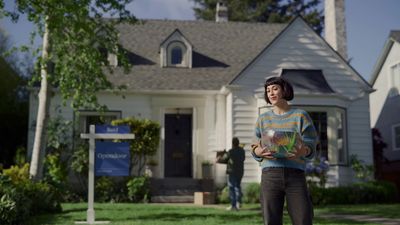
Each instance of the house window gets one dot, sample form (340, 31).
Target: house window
(176, 55)
(394, 80)
(87, 118)
(321, 125)
(396, 137)
(330, 123)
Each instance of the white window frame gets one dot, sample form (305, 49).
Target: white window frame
(336, 119)
(394, 148)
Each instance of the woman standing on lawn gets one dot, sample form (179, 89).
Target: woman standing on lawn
(284, 176)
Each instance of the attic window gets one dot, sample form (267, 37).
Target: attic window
(176, 54)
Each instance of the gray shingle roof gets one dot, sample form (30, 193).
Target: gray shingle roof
(220, 52)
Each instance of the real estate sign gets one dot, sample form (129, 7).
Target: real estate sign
(112, 158)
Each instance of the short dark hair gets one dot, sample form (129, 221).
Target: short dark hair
(287, 89)
(235, 141)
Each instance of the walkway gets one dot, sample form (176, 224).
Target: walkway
(363, 218)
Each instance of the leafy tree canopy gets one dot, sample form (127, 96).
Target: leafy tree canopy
(79, 37)
(268, 11)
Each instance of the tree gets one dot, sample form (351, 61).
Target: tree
(268, 11)
(75, 36)
(13, 101)
(378, 146)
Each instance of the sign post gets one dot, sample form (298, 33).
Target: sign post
(100, 132)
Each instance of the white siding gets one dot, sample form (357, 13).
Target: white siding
(300, 48)
(385, 109)
(244, 117)
(150, 107)
(382, 84)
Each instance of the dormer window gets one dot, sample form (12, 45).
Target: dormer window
(176, 51)
(176, 55)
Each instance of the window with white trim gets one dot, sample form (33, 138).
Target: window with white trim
(394, 80)
(396, 137)
(86, 118)
(176, 52)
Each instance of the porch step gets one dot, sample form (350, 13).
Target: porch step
(178, 190)
(173, 199)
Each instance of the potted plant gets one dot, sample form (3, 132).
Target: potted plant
(206, 169)
(151, 164)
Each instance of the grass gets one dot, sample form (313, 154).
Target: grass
(161, 214)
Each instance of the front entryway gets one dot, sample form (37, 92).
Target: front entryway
(178, 145)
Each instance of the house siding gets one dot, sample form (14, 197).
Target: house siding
(382, 84)
(385, 109)
(148, 107)
(300, 48)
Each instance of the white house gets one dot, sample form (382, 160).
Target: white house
(385, 103)
(203, 82)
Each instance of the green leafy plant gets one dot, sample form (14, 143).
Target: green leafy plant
(363, 171)
(139, 189)
(103, 189)
(252, 193)
(8, 209)
(145, 144)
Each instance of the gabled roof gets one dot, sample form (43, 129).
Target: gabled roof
(221, 51)
(394, 36)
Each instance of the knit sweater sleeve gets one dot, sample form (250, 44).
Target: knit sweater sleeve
(257, 138)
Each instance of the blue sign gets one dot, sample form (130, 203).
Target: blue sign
(112, 158)
(109, 129)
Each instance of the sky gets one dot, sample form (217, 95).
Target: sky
(368, 24)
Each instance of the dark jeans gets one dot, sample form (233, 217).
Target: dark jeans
(278, 183)
(235, 191)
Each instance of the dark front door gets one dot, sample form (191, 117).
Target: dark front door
(178, 145)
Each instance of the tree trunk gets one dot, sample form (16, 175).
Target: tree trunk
(39, 146)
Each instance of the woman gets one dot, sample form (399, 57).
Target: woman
(284, 176)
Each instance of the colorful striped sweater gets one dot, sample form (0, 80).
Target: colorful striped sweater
(295, 120)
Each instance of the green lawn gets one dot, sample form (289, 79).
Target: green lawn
(160, 214)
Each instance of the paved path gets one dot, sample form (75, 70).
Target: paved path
(363, 218)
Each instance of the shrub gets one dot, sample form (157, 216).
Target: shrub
(223, 195)
(139, 189)
(252, 193)
(145, 144)
(22, 198)
(8, 209)
(363, 171)
(359, 193)
(103, 189)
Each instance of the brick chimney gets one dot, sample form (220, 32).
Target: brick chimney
(221, 14)
(335, 26)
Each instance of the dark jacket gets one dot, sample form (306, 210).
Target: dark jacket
(235, 165)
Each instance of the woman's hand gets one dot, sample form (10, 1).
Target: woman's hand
(263, 152)
(301, 150)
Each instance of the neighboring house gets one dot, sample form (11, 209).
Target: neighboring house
(385, 104)
(203, 82)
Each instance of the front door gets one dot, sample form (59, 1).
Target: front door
(178, 145)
